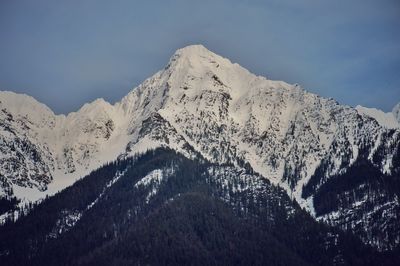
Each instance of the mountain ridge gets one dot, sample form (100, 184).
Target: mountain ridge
(390, 120)
(201, 102)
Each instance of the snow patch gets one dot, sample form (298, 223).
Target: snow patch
(153, 180)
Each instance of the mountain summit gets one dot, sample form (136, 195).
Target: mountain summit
(335, 162)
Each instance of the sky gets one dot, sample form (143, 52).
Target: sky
(66, 53)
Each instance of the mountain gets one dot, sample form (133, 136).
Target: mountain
(341, 166)
(43, 152)
(162, 208)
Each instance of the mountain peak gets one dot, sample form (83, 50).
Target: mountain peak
(197, 52)
(193, 49)
(25, 106)
(97, 104)
(198, 56)
(20, 101)
(196, 67)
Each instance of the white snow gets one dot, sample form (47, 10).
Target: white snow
(388, 120)
(67, 220)
(153, 181)
(108, 185)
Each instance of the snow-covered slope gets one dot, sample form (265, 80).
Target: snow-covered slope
(42, 152)
(199, 103)
(388, 120)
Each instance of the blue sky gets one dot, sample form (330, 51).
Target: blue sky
(65, 53)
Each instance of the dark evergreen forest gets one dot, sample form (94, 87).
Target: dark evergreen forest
(198, 214)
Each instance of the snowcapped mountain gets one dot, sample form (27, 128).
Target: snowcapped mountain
(43, 152)
(203, 103)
